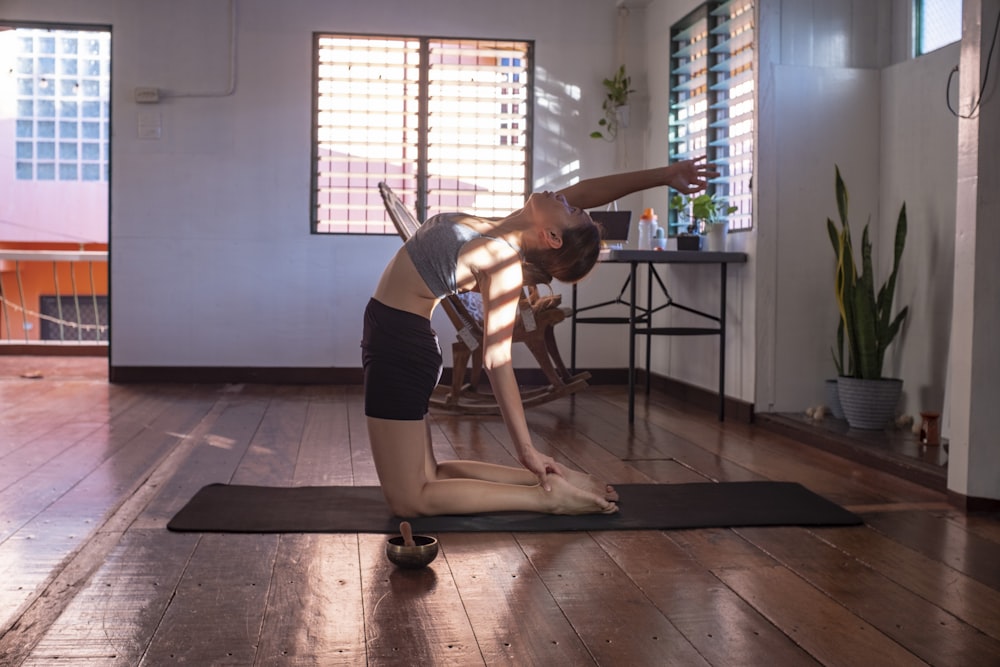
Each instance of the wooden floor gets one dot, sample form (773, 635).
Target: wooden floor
(90, 473)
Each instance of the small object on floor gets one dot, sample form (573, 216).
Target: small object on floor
(32, 375)
(930, 430)
(904, 421)
(411, 551)
(817, 413)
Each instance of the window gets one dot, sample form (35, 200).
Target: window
(712, 99)
(61, 98)
(936, 23)
(445, 122)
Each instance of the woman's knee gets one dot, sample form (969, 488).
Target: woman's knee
(404, 504)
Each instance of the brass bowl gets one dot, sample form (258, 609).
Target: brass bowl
(424, 550)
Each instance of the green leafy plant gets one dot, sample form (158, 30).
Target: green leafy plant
(616, 94)
(701, 210)
(866, 323)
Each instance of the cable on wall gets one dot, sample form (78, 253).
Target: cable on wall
(231, 87)
(982, 87)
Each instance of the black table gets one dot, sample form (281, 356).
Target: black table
(640, 319)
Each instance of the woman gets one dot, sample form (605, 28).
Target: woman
(455, 252)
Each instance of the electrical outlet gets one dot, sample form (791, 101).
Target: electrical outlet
(147, 95)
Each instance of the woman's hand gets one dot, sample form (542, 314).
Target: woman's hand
(686, 176)
(541, 465)
(690, 176)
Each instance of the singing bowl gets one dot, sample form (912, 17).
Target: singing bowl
(424, 550)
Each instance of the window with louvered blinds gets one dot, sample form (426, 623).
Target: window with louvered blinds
(712, 98)
(445, 122)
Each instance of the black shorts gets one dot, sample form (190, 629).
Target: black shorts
(402, 363)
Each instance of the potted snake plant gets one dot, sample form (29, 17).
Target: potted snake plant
(867, 325)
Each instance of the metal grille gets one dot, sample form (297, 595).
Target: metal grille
(83, 317)
(445, 122)
(53, 295)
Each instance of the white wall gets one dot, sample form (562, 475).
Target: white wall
(827, 117)
(973, 391)
(919, 150)
(213, 262)
(829, 94)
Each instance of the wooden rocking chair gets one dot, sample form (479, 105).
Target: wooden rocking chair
(537, 316)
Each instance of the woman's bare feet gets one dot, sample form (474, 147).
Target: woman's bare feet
(565, 498)
(587, 482)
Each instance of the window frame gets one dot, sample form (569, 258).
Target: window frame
(417, 198)
(709, 23)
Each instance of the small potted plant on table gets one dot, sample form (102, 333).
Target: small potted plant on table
(706, 214)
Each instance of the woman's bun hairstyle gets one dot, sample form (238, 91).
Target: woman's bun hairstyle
(571, 261)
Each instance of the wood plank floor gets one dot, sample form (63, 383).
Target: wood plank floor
(91, 472)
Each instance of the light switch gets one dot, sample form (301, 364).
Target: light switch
(150, 125)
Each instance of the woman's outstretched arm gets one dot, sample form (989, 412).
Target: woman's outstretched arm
(686, 176)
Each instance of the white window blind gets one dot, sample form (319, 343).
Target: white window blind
(733, 105)
(445, 122)
(689, 87)
(367, 107)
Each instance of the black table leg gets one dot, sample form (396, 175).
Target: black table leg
(572, 340)
(631, 344)
(649, 323)
(722, 345)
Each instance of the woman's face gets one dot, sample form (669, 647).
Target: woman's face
(551, 209)
(564, 240)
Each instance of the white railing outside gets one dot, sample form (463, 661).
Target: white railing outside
(21, 316)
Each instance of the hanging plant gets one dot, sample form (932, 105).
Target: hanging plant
(616, 105)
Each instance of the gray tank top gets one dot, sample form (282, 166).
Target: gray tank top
(434, 250)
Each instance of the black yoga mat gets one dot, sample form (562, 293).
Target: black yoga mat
(361, 509)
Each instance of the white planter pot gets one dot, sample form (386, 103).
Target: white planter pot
(623, 114)
(715, 236)
(869, 404)
(833, 399)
